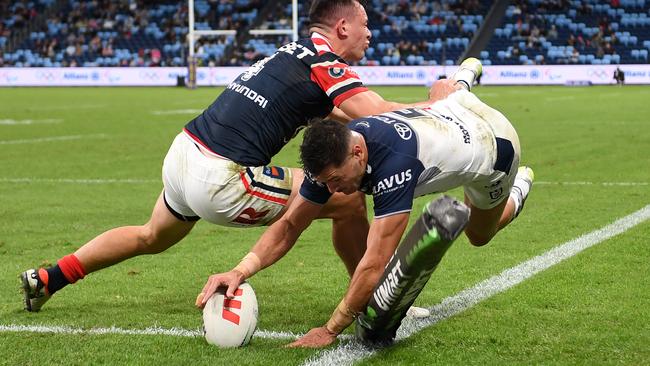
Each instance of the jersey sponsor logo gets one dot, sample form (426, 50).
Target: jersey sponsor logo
(291, 49)
(249, 93)
(255, 68)
(466, 137)
(392, 183)
(408, 113)
(250, 216)
(274, 172)
(312, 179)
(362, 124)
(336, 72)
(403, 131)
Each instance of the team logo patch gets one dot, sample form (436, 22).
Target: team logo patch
(274, 172)
(336, 72)
(250, 216)
(403, 130)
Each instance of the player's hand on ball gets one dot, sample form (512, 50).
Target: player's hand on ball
(315, 338)
(231, 280)
(442, 88)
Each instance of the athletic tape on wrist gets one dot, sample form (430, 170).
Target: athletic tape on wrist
(249, 265)
(341, 318)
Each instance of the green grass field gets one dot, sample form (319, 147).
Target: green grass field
(78, 161)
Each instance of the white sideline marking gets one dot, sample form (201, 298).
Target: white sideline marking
(178, 332)
(147, 181)
(349, 352)
(67, 107)
(560, 98)
(177, 111)
(12, 122)
(592, 183)
(79, 181)
(48, 139)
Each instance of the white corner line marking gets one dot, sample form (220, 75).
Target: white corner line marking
(16, 122)
(177, 111)
(48, 139)
(177, 332)
(79, 181)
(582, 183)
(349, 352)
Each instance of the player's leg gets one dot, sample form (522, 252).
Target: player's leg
(485, 223)
(349, 222)
(161, 232)
(164, 229)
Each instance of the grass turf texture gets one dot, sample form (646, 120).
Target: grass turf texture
(590, 309)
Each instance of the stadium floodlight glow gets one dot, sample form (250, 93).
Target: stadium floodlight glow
(194, 35)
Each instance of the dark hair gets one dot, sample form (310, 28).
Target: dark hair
(326, 12)
(326, 142)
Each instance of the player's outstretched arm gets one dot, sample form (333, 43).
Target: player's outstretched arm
(339, 116)
(276, 241)
(383, 239)
(370, 103)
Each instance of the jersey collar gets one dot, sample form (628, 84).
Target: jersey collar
(321, 38)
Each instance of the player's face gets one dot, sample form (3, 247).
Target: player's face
(345, 178)
(358, 33)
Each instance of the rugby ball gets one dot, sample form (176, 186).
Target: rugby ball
(230, 322)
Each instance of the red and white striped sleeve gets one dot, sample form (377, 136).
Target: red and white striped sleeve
(336, 78)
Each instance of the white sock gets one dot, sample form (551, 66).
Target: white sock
(518, 193)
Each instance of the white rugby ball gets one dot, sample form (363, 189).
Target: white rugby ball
(230, 322)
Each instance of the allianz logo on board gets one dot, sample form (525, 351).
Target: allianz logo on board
(513, 74)
(420, 74)
(75, 76)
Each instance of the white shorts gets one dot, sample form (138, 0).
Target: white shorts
(490, 190)
(484, 163)
(220, 191)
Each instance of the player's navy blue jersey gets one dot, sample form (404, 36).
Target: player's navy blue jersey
(393, 165)
(263, 108)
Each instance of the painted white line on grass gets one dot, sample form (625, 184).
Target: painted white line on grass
(349, 352)
(67, 107)
(178, 332)
(177, 111)
(79, 181)
(13, 122)
(148, 181)
(560, 98)
(579, 183)
(48, 139)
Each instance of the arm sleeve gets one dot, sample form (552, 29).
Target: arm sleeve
(313, 191)
(336, 78)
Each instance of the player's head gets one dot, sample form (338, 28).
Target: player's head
(334, 155)
(346, 24)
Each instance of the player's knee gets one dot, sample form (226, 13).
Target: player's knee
(149, 242)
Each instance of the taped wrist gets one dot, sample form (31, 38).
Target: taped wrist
(341, 318)
(249, 265)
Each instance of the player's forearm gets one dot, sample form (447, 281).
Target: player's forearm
(357, 296)
(276, 242)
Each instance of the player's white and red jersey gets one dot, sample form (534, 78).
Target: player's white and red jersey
(263, 108)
